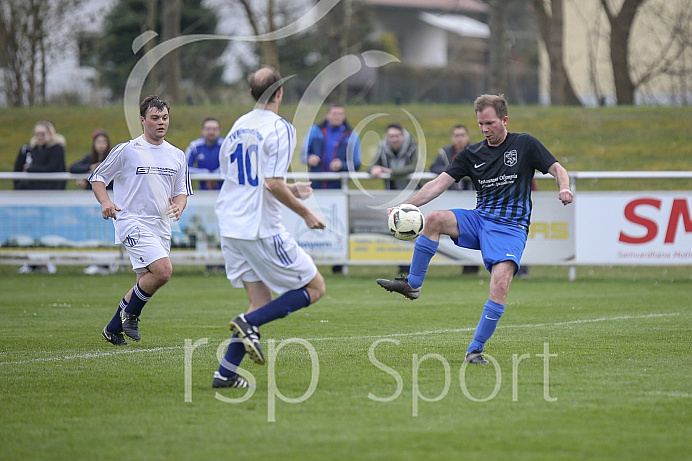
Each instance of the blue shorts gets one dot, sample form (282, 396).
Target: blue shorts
(497, 242)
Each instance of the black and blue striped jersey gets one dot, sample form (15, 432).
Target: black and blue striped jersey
(502, 176)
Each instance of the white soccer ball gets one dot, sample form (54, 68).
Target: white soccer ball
(406, 222)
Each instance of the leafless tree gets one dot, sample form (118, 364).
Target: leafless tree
(551, 24)
(497, 21)
(171, 15)
(620, 29)
(667, 57)
(263, 21)
(28, 40)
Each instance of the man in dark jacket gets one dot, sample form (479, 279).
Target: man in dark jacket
(397, 155)
(329, 146)
(460, 139)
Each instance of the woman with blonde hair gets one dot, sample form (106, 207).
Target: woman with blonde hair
(45, 153)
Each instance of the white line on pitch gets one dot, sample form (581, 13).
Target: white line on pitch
(461, 330)
(673, 394)
(90, 355)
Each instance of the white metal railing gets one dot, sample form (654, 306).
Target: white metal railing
(344, 177)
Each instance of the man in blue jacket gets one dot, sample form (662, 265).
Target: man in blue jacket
(332, 146)
(203, 153)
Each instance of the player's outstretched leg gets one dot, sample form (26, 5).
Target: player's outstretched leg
(250, 336)
(423, 252)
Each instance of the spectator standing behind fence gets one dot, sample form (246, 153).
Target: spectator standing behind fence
(460, 139)
(203, 153)
(327, 147)
(327, 150)
(397, 155)
(100, 146)
(45, 153)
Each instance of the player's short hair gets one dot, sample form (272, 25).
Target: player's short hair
(155, 102)
(335, 105)
(395, 125)
(496, 101)
(265, 86)
(210, 119)
(459, 126)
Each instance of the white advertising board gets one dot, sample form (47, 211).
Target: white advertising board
(329, 245)
(638, 228)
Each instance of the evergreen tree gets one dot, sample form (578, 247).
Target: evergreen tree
(129, 18)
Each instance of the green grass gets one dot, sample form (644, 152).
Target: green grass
(582, 139)
(621, 376)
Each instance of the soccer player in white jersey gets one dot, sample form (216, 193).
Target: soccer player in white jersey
(150, 187)
(259, 254)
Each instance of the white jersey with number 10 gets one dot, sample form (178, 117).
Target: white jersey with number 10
(260, 145)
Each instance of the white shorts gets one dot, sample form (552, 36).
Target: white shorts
(144, 247)
(277, 261)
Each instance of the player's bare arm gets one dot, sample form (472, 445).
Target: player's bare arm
(431, 190)
(108, 208)
(280, 190)
(562, 178)
(176, 205)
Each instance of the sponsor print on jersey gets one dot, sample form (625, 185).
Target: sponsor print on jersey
(161, 171)
(511, 158)
(498, 181)
(132, 238)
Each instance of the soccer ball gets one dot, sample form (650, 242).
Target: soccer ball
(406, 222)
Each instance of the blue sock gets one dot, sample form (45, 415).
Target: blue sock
(492, 312)
(234, 355)
(423, 252)
(137, 301)
(116, 325)
(280, 307)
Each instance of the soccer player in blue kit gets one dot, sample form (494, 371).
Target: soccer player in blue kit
(501, 168)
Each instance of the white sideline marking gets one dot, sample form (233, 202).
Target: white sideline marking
(535, 325)
(673, 394)
(90, 355)
(93, 355)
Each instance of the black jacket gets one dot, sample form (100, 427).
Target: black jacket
(49, 158)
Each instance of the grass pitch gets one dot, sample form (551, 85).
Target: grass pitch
(598, 368)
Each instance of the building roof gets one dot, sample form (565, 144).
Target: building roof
(466, 6)
(462, 26)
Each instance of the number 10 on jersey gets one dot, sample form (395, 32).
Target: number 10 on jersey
(245, 159)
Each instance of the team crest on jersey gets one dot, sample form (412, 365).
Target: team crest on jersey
(132, 238)
(511, 158)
